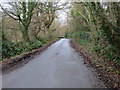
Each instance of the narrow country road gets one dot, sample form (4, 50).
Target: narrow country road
(57, 67)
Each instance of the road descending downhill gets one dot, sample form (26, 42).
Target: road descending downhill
(57, 67)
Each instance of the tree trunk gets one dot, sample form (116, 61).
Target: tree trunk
(25, 34)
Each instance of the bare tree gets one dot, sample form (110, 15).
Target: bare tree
(23, 12)
(45, 13)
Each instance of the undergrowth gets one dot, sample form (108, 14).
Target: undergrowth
(10, 49)
(102, 48)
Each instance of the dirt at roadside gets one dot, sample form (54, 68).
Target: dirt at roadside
(17, 61)
(107, 70)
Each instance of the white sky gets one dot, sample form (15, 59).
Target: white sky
(62, 14)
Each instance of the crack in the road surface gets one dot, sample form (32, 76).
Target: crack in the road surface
(57, 67)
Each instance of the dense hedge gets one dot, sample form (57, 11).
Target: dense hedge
(10, 49)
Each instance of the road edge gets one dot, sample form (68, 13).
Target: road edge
(26, 57)
(88, 60)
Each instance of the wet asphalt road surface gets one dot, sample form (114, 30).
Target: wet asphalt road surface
(57, 67)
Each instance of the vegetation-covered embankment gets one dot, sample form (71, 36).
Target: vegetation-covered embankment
(107, 70)
(26, 26)
(96, 27)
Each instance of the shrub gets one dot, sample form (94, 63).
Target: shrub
(10, 49)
